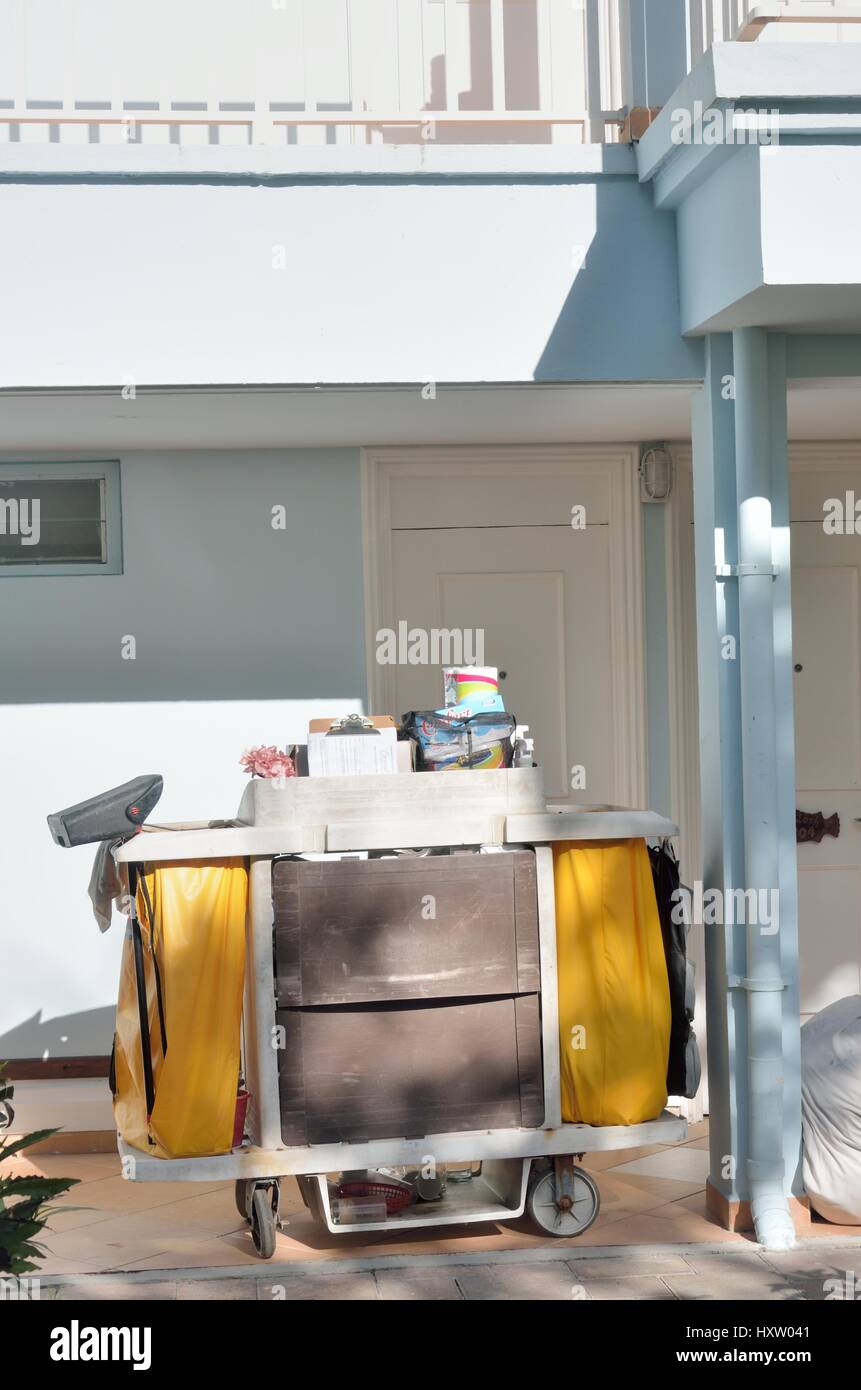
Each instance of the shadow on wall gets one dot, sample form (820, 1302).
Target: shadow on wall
(86, 1034)
(625, 292)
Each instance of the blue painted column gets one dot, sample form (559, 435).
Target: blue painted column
(715, 542)
(741, 520)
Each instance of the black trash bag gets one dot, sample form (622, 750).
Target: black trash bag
(683, 1064)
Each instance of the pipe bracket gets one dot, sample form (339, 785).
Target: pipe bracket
(756, 986)
(748, 571)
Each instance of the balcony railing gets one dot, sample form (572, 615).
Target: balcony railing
(229, 72)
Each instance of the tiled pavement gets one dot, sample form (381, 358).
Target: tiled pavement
(731, 1272)
(652, 1204)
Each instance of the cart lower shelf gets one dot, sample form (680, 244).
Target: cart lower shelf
(497, 1193)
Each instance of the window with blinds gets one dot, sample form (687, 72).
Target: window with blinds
(60, 518)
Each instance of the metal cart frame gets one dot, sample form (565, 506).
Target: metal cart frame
(506, 1154)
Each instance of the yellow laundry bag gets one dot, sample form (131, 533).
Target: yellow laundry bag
(614, 995)
(192, 922)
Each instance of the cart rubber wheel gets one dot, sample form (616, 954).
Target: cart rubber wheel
(242, 1195)
(554, 1220)
(263, 1229)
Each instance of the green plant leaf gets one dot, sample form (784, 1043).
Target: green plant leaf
(34, 1185)
(23, 1210)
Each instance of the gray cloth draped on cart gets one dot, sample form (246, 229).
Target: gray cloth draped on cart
(108, 883)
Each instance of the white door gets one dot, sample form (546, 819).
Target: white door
(826, 649)
(483, 540)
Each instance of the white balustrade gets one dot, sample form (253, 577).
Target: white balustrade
(329, 71)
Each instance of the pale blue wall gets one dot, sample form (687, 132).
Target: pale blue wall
(657, 668)
(221, 605)
(720, 243)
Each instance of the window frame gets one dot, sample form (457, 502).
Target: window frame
(106, 471)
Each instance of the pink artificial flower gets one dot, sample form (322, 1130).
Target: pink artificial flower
(267, 761)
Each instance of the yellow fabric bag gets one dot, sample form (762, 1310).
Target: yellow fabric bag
(192, 920)
(614, 995)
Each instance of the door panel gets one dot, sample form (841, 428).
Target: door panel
(826, 649)
(825, 645)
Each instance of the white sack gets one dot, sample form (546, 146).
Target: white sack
(831, 1110)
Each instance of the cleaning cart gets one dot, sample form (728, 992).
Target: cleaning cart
(401, 1000)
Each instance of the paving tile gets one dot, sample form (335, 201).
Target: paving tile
(694, 1205)
(611, 1158)
(342, 1288)
(201, 1253)
(85, 1167)
(107, 1291)
(206, 1290)
(120, 1195)
(634, 1287)
(123, 1240)
(417, 1285)
(656, 1228)
(727, 1289)
(525, 1283)
(803, 1260)
(733, 1276)
(682, 1164)
(620, 1197)
(213, 1213)
(660, 1190)
(822, 1275)
(67, 1217)
(50, 1264)
(630, 1264)
(742, 1257)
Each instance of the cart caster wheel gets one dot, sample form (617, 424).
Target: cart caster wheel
(559, 1220)
(263, 1222)
(242, 1190)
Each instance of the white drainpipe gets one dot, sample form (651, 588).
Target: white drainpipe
(763, 984)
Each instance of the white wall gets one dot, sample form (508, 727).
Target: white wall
(408, 281)
(811, 206)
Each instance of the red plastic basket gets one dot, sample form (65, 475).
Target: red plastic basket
(394, 1195)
